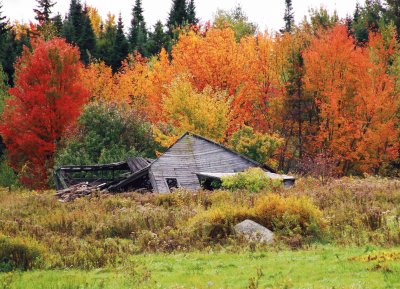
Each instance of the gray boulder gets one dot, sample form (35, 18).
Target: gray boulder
(253, 231)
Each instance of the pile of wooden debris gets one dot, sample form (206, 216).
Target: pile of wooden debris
(77, 191)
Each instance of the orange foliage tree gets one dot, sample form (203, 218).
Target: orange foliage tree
(355, 100)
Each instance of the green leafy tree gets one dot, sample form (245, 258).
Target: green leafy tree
(158, 39)
(107, 134)
(138, 30)
(320, 18)
(288, 17)
(237, 20)
(256, 146)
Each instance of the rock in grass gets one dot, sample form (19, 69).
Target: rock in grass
(253, 231)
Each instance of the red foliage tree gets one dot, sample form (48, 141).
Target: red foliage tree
(46, 100)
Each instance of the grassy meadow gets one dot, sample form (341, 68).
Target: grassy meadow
(344, 234)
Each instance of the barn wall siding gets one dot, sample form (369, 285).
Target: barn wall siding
(190, 155)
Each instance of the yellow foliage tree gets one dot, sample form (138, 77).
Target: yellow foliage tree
(95, 20)
(98, 79)
(204, 113)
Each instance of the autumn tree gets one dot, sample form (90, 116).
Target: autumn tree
(257, 146)
(45, 101)
(355, 100)
(98, 79)
(204, 113)
(237, 20)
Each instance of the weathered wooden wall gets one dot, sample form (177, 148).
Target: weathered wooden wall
(189, 156)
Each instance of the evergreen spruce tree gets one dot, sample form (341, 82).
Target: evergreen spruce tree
(7, 53)
(191, 13)
(3, 22)
(393, 13)
(73, 23)
(87, 38)
(138, 31)
(178, 15)
(105, 43)
(43, 10)
(158, 39)
(58, 24)
(3, 96)
(77, 29)
(288, 17)
(121, 46)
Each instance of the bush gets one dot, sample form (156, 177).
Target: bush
(287, 216)
(8, 178)
(217, 222)
(18, 254)
(253, 180)
(290, 215)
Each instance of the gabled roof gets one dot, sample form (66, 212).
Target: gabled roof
(221, 146)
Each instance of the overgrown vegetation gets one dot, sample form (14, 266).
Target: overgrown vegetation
(101, 231)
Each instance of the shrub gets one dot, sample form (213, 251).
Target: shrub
(253, 180)
(8, 178)
(290, 215)
(217, 222)
(18, 254)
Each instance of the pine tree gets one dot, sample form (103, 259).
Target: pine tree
(158, 39)
(138, 30)
(288, 17)
(87, 38)
(178, 15)
(105, 43)
(7, 49)
(3, 22)
(121, 46)
(43, 10)
(58, 23)
(191, 13)
(77, 29)
(393, 11)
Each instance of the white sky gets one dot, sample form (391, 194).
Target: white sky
(267, 14)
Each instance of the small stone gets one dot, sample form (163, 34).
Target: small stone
(253, 231)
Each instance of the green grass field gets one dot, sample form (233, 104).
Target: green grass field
(318, 267)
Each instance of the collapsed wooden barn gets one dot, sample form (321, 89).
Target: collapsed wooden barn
(191, 162)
